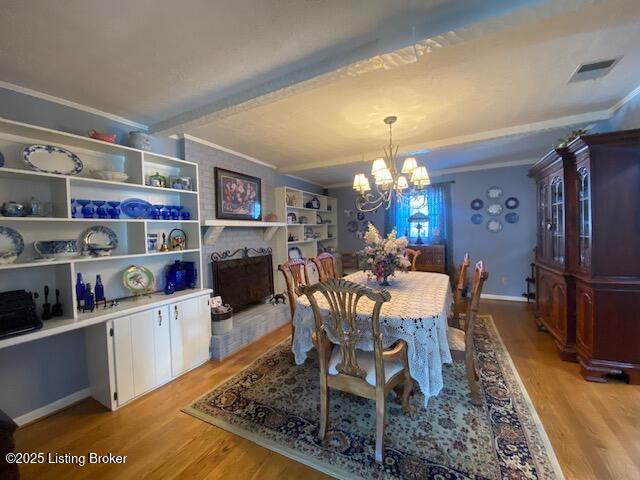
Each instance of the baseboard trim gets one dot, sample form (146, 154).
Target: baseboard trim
(52, 407)
(508, 298)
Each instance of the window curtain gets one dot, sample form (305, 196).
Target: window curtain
(440, 219)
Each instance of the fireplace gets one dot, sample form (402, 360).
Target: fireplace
(243, 277)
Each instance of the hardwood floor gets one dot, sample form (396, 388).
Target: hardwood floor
(594, 428)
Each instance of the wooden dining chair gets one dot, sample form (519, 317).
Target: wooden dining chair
(461, 341)
(342, 366)
(295, 276)
(326, 265)
(460, 303)
(412, 255)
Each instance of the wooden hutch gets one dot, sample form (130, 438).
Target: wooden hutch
(588, 255)
(431, 258)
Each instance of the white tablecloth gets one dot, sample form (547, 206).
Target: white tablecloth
(420, 304)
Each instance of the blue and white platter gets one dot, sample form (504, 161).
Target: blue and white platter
(99, 240)
(136, 208)
(11, 245)
(51, 159)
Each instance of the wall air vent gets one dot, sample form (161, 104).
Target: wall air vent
(593, 70)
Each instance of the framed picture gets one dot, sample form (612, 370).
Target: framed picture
(238, 196)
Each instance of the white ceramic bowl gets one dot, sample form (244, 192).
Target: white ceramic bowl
(110, 175)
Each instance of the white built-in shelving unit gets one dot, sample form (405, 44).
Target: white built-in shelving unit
(19, 183)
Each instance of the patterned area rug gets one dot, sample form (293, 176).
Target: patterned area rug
(276, 404)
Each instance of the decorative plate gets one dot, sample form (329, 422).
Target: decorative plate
(477, 218)
(136, 208)
(50, 159)
(11, 245)
(138, 279)
(99, 238)
(319, 219)
(512, 203)
(494, 192)
(494, 225)
(352, 226)
(360, 216)
(292, 218)
(477, 204)
(494, 209)
(512, 217)
(295, 252)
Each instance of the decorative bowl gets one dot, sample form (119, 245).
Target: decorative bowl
(56, 248)
(111, 175)
(105, 137)
(13, 209)
(9, 256)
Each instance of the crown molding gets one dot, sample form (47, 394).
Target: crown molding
(468, 168)
(68, 103)
(623, 101)
(207, 143)
(305, 180)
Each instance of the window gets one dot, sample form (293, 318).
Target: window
(418, 204)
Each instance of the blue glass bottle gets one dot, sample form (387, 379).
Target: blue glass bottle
(89, 299)
(79, 291)
(99, 290)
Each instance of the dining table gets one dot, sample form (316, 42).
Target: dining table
(418, 312)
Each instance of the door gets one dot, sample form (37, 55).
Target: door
(143, 352)
(162, 343)
(123, 359)
(190, 334)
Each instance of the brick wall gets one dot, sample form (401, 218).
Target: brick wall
(232, 238)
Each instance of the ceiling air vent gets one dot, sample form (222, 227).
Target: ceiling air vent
(593, 70)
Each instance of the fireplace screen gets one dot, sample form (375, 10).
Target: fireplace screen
(244, 281)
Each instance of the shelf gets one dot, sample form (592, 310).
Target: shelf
(215, 228)
(289, 207)
(126, 307)
(74, 260)
(92, 181)
(311, 240)
(92, 220)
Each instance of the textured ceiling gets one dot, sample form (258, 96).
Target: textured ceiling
(149, 59)
(513, 77)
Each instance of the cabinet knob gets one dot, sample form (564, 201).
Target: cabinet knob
(175, 309)
(160, 317)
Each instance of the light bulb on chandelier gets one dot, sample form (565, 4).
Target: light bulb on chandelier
(388, 182)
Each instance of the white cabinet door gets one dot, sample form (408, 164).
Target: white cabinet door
(190, 335)
(143, 352)
(123, 359)
(162, 340)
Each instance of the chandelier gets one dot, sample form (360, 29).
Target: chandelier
(388, 181)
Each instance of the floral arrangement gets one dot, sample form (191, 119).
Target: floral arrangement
(383, 256)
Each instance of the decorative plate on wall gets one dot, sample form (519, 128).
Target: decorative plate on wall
(494, 209)
(494, 192)
(50, 159)
(512, 203)
(352, 226)
(477, 218)
(477, 204)
(512, 217)
(494, 225)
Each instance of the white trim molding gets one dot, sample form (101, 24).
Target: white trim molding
(207, 143)
(507, 298)
(52, 407)
(68, 103)
(623, 101)
(305, 180)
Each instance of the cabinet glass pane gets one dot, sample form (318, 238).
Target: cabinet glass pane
(557, 220)
(584, 218)
(542, 218)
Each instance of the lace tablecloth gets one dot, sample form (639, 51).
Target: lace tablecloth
(420, 304)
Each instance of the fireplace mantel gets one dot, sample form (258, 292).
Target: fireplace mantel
(216, 227)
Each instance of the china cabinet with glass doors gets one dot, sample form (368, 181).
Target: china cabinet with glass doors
(588, 255)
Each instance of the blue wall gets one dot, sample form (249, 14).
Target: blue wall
(507, 254)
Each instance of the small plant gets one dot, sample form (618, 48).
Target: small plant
(563, 142)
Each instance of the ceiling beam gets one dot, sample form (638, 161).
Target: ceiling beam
(384, 51)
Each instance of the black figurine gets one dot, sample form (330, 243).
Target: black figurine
(56, 311)
(46, 308)
(275, 300)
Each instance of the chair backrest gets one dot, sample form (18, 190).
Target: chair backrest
(326, 265)
(295, 276)
(342, 297)
(412, 255)
(480, 276)
(462, 277)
